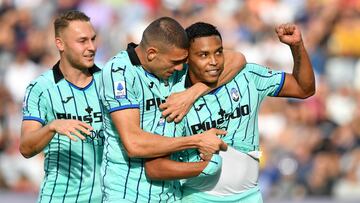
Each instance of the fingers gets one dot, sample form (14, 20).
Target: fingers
(223, 146)
(220, 131)
(285, 29)
(206, 156)
(82, 129)
(68, 134)
(85, 125)
(170, 117)
(72, 128)
(179, 118)
(173, 115)
(78, 134)
(163, 106)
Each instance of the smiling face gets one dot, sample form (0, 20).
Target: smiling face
(206, 59)
(77, 45)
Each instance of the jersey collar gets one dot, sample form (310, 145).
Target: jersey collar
(58, 75)
(132, 54)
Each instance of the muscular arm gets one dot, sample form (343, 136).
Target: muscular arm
(301, 83)
(139, 143)
(165, 169)
(178, 104)
(35, 137)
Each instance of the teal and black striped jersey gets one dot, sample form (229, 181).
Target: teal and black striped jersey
(233, 107)
(126, 84)
(72, 169)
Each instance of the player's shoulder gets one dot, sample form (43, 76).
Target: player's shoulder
(253, 69)
(119, 62)
(253, 66)
(43, 82)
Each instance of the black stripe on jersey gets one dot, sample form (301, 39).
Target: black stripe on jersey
(67, 182)
(197, 114)
(230, 100)
(38, 104)
(239, 123)
(126, 89)
(148, 75)
(151, 183)
(82, 148)
(162, 191)
(48, 155)
(27, 98)
(175, 189)
(265, 76)
(143, 101)
(112, 83)
(247, 125)
(106, 162)
(207, 107)
(93, 144)
(271, 86)
(58, 149)
(103, 85)
(138, 184)
(167, 194)
(256, 118)
(127, 177)
(133, 84)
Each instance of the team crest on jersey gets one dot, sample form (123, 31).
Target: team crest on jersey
(120, 89)
(235, 94)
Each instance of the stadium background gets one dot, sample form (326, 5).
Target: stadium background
(311, 148)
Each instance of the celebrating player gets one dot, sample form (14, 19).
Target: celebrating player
(230, 176)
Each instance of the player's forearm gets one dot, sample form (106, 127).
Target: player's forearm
(303, 71)
(166, 169)
(148, 145)
(33, 142)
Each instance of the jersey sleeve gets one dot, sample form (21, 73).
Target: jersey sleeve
(34, 104)
(268, 82)
(118, 86)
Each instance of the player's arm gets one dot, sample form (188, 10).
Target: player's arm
(35, 137)
(178, 104)
(163, 168)
(301, 83)
(139, 143)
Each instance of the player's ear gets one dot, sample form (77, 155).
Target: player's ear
(59, 43)
(151, 53)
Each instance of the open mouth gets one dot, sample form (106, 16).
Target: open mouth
(213, 72)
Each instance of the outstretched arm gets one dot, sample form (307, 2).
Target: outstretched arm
(301, 83)
(178, 104)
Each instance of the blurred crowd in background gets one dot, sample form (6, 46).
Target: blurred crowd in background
(310, 147)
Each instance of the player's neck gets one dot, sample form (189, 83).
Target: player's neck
(80, 77)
